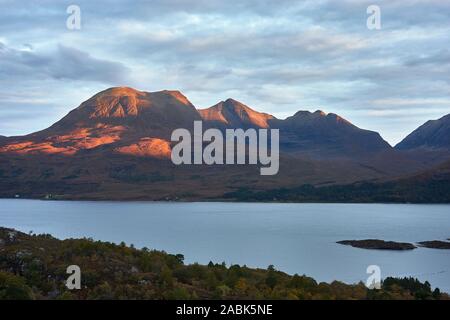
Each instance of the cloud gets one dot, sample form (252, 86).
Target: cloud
(62, 64)
(279, 56)
(439, 58)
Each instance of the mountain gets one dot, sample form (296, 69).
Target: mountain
(329, 135)
(137, 122)
(315, 134)
(434, 134)
(116, 145)
(121, 118)
(130, 112)
(234, 114)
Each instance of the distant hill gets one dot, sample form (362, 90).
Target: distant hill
(430, 186)
(116, 145)
(433, 134)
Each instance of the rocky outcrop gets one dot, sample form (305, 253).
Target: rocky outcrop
(435, 244)
(378, 244)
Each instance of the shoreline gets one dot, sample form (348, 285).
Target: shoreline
(71, 199)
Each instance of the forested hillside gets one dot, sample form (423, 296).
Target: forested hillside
(34, 267)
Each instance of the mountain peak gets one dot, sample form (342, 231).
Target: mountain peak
(233, 113)
(320, 113)
(178, 96)
(117, 91)
(131, 92)
(317, 115)
(136, 112)
(232, 101)
(125, 102)
(327, 134)
(304, 114)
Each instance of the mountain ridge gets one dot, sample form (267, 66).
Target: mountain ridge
(124, 114)
(116, 145)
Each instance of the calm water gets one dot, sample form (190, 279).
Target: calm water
(296, 238)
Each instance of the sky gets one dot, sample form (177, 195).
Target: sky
(274, 56)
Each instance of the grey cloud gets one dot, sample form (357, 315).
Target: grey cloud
(74, 64)
(50, 15)
(276, 55)
(244, 47)
(395, 14)
(439, 58)
(63, 63)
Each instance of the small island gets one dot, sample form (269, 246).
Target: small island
(435, 244)
(378, 244)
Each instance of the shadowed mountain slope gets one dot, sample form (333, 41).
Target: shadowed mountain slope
(327, 135)
(434, 134)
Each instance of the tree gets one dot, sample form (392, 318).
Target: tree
(241, 286)
(166, 278)
(14, 288)
(271, 278)
(180, 258)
